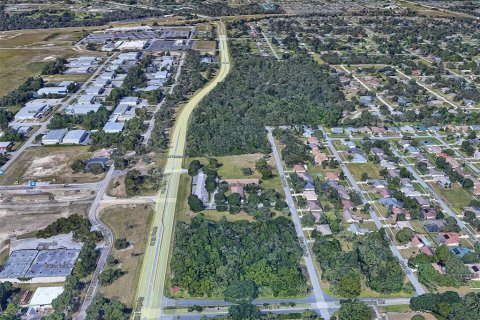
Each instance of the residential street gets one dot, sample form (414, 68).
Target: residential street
(314, 280)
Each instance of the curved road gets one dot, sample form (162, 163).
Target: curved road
(150, 298)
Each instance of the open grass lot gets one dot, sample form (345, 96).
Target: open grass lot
(204, 45)
(357, 169)
(457, 197)
(133, 223)
(16, 65)
(232, 166)
(41, 37)
(49, 164)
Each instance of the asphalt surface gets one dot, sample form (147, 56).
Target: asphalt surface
(105, 247)
(320, 297)
(150, 299)
(403, 264)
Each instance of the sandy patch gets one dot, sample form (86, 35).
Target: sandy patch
(47, 166)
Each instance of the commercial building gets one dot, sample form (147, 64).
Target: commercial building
(75, 137)
(5, 146)
(34, 109)
(131, 101)
(83, 108)
(54, 137)
(113, 127)
(44, 296)
(52, 90)
(86, 99)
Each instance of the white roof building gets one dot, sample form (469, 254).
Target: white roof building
(33, 110)
(54, 136)
(43, 297)
(86, 99)
(92, 90)
(100, 82)
(52, 90)
(113, 127)
(131, 101)
(83, 108)
(133, 45)
(108, 75)
(75, 137)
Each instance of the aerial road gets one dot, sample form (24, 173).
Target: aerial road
(150, 299)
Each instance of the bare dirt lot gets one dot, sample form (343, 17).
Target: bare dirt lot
(49, 164)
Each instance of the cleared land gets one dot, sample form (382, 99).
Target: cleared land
(49, 164)
(357, 169)
(133, 223)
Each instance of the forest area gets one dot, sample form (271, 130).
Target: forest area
(237, 260)
(260, 92)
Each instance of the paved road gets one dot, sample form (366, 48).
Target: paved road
(270, 45)
(320, 297)
(50, 187)
(63, 105)
(429, 90)
(379, 97)
(413, 280)
(105, 248)
(434, 195)
(150, 298)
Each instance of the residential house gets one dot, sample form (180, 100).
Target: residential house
(474, 269)
(299, 168)
(434, 225)
(332, 176)
(324, 229)
(449, 238)
(428, 213)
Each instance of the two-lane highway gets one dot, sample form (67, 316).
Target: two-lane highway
(150, 299)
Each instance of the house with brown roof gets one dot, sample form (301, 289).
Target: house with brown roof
(332, 176)
(299, 168)
(415, 242)
(449, 238)
(237, 185)
(428, 213)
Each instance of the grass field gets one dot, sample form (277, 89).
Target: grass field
(132, 223)
(49, 164)
(204, 45)
(457, 197)
(23, 53)
(357, 169)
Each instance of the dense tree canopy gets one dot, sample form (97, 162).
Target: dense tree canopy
(210, 257)
(260, 92)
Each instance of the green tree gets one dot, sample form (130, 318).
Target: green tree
(350, 285)
(195, 204)
(243, 311)
(354, 310)
(404, 235)
(245, 290)
(193, 168)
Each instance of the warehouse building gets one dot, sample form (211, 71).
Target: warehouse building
(54, 137)
(113, 127)
(76, 137)
(82, 108)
